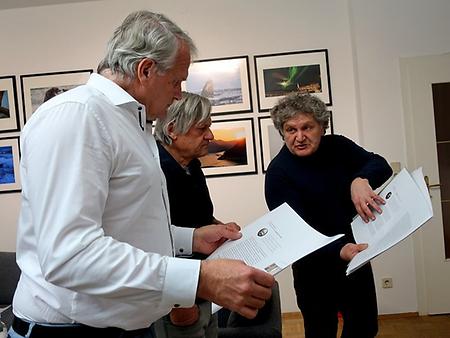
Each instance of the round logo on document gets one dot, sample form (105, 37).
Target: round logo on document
(262, 232)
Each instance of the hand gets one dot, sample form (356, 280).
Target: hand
(184, 316)
(208, 238)
(235, 285)
(350, 250)
(365, 199)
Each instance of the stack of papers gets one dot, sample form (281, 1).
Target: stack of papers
(274, 241)
(408, 206)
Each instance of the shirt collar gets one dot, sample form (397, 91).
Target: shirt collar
(113, 91)
(118, 96)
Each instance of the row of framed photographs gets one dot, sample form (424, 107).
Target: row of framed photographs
(36, 89)
(224, 81)
(232, 152)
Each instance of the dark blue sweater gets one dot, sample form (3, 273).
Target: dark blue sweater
(190, 202)
(317, 187)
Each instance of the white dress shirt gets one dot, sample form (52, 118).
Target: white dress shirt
(94, 236)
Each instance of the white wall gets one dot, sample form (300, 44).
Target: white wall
(366, 90)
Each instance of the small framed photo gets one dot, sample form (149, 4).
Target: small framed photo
(271, 142)
(232, 152)
(9, 165)
(9, 113)
(38, 88)
(225, 82)
(283, 73)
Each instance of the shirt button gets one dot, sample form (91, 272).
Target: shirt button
(181, 250)
(176, 305)
(139, 108)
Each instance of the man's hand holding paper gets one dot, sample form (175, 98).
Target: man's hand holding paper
(407, 207)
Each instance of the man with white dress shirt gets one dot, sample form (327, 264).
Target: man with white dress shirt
(95, 243)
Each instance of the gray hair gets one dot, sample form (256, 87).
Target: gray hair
(191, 110)
(297, 103)
(144, 34)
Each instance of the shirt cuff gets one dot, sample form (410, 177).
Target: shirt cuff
(181, 280)
(182, 238)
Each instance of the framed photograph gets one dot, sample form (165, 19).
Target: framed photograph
(9, 165)
(38, 88)
(283, 73)
(225, 82)
(271, 141)
(232, 152)
(9, 113)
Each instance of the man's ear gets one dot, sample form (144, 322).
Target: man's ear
(145, 68)
(170, 131)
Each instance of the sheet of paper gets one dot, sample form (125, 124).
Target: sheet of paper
(407, 207)
(274, 241)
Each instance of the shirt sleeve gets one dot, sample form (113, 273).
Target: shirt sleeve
(182, 238)
(181, 294)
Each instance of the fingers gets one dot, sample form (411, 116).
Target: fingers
(362, 246)
(232, 226)
(231, 231)
(263, 279)
(350, 250)
(248, 312)
(365, 199)
(366, 207)
(235, 285)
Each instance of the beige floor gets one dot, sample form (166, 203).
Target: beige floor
(390, 326)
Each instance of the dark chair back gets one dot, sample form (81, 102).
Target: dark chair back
(9, 277)
(10, 274)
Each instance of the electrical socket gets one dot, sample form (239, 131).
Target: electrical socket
(386, 283)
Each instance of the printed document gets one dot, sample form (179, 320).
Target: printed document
(408, 206)
(273, 242)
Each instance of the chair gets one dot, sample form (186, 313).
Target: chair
(266, 324)
(10, 274)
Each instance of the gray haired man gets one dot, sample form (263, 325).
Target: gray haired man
(95, 243)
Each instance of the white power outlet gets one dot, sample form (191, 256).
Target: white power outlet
(386, 283)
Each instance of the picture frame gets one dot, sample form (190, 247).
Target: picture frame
(9, 112)
(224, 81)
(9, 165)
(282, 73)
(233, 151)
(37, 88)
(271, 142)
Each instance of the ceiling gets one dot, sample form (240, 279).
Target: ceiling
(10, 4)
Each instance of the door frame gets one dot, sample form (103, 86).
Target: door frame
(412, 162)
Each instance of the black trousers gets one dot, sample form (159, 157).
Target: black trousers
(323, 290)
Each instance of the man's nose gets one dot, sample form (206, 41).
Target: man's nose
(300, 135)
(209, 135)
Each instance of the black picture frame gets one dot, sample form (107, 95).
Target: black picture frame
(37, 88)
(281, 73)
(224, 81)
(9, 165)
(9, 112)
(233, 151)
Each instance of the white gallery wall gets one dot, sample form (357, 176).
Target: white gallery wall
(364, 39)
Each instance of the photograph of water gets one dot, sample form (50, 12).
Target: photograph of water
(218, 80)
(6, 165)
